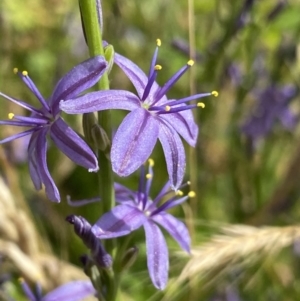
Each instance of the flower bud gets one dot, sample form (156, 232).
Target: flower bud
(129, 258)
(109, 54)
(95, 134)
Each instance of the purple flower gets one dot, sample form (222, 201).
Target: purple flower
(272, 105)
(136, 209)
(47, 119)
(72, 291)
(152, 116)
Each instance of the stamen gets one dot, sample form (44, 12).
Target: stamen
(179, 192)
(151, 81)
(168, 85)
(151, 162)
(215, 93)
(27, 290)
(188, 182)
(191, 194)
(191, 63)
(30, 120)
(154, 58)
(167, 108)
(15, 70)
(30, 84)
(201, 105)
(169, 204)
(11, 115)
(148, 176)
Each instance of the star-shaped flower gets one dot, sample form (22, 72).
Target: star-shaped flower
(152, 116)
(71, 291)
(136, 209)
(47, 119)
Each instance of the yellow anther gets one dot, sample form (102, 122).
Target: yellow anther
(192, 194)
(215, 93)
(191, 63)
(148, 176)
(179, 192)
(24, 73)
(167, 108)
(151, 162)
(15, 70)
(158, 42)
(188, 182)
(11, 115)
(157, 67)
(201, 105)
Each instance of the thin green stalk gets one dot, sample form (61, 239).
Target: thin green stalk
(93, 37)
(94, 41)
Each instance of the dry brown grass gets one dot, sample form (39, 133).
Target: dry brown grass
(26, 250)
(238, 245)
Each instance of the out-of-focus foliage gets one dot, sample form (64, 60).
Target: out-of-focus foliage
(241, 47)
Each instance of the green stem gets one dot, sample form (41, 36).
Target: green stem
(106, 183)
(94, 41)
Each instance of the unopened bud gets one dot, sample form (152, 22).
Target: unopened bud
(88, 121)
(109, 54)
(100, 139)
(129, 258)
(95, 134)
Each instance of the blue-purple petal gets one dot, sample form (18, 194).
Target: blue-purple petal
(176, 229)
(138, 78)
(101, 100)
(72, 291)
(120, 221)
(32, 162)
(78, 79)
(72, 145)
(134, 141)
(157, 255)
(183, 122)
(41, 164)
(123, 194)
(174, 154)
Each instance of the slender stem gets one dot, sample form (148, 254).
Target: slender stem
(93, 35)
(192, 155)
(94, 40)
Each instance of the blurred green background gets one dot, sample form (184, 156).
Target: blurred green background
(240, 48)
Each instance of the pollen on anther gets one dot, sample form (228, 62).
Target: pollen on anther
(179, 192)
(157, 67)
(201, 105)
(15, 70)
(192, 194)
(151, 162)
(188, 182)
(215, 93)
(158, 42)
(11, 115)
(167, 108)
(24, 73)
(190, 62)
(148, 176)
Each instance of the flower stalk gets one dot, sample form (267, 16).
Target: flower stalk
(93, 34)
